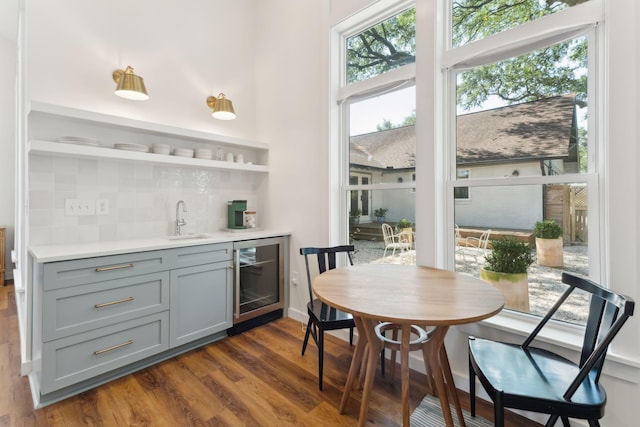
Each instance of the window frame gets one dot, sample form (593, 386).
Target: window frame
(346, 93)
(587, 20)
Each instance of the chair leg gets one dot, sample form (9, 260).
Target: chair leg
(320, 356)
(384, 333)
(351, 336)
(594, 423)
(565, 422)
(472, 390)
(306, 337)
(552, 421)
(498, 410)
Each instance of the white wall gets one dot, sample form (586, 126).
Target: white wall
(515, 208)
(8, 60)
(184, 53)
(292, 91)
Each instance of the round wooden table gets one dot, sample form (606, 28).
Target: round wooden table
(406, 295)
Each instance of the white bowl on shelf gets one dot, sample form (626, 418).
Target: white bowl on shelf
(183, 152)
(161, 148)
(204, 153)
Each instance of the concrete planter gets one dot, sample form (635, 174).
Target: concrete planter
(514, 287)
(550, 252)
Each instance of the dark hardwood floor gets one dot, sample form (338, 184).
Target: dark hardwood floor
(257, 378)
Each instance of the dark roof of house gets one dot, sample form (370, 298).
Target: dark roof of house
(540, 129)
(534, 130)
(392, 148)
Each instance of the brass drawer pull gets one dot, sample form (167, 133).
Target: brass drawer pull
(115, 347)
(114, 267)
(120, 301)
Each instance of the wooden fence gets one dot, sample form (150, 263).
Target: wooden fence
(567, 205)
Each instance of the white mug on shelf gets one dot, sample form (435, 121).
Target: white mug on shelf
(239, 158)
(229, 157)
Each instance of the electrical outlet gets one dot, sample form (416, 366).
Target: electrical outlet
(294, 278)
(102, 207)
(87, 207)
(76, 207)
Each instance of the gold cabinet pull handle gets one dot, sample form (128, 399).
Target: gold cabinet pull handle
(114, 267)
(120, 301)
(114, 347)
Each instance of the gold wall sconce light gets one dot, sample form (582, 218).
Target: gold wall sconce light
(222, 107)
(130, 86)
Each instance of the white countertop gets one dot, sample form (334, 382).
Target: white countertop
(52, 253)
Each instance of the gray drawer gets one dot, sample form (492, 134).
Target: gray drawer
(78, 309)
(70, 360)
(189, 256)
(63, 274)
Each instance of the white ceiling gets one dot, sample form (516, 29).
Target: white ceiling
(9, 19)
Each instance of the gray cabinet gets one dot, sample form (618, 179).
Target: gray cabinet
(104, 313)
(201, 301)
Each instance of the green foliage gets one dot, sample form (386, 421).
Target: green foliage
(380, 212)
(547, 229)
(383, 47)
(388, 124)
(544, 73)
(476, 19)
(550, 71)
(355, 213)
(404, 223)
(509, 255)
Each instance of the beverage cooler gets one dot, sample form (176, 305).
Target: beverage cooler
(258, 280)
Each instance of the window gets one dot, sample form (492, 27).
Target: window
(477, 19)
(382, 47)
(523, 140)
(461, 193)
(378, 142)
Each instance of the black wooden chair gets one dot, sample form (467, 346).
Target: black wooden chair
(532, 379)
(321, 316)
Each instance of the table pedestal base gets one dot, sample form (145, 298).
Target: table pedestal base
(437, 368)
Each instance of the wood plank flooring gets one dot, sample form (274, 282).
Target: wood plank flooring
(257, 378)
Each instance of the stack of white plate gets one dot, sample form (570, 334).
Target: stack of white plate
(160, 148)
(131, 147)
(79, 140)
(204, 153)
(183, 152)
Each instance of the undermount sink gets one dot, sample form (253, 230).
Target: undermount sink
(188, 236)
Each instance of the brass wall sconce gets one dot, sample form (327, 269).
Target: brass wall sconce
(222, 107)
(130, 86)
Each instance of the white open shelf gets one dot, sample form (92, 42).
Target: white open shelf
(49, 122)
(79, 151)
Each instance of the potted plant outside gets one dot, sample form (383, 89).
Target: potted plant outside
(506, 269)
(380, 214)
(404, 228)
(404, 225)
(549, 249)
(354, 216)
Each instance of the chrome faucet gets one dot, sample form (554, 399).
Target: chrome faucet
(180, 221)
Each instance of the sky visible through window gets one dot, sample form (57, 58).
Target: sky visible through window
(366, 115)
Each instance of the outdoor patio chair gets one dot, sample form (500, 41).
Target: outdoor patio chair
(393, 241)
(321, 316)
(531, 379)
(478, 244)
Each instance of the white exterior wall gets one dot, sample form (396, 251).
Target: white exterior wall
(516, 208)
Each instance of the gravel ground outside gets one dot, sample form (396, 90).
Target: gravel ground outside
(545, 284)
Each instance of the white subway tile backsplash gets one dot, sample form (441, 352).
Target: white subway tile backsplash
(142, 198)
